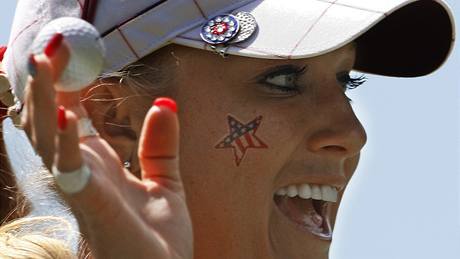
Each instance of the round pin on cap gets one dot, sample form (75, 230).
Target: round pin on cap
(220, 29)
(248, 26)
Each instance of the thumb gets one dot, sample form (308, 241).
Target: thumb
(159, 143)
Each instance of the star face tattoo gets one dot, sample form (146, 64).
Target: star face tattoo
(241, 137)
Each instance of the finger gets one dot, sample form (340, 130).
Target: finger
(159, 143)
(59, 62)
(58, 54)
(68, 156)
(40, 108)
(86, 195)
(83, 194)
(40, 97)
(70, 100)
(44, 72)
(45, 69)
(69, 160)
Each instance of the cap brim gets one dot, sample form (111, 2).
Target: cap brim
(394, 37)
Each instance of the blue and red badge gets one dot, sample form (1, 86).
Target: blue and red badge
(228, 28)
(220, 29)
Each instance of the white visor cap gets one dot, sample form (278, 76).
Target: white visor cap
(404, 38)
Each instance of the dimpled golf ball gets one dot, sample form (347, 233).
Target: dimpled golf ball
(86, 51)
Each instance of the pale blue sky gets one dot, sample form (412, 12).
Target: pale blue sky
(404, 200)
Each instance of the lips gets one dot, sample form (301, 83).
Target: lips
(308, 207)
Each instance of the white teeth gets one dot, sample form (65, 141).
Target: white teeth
(316, 192)
(310, 191)
(304, 191)
(329, 193)
(281, 192)
(292, 191)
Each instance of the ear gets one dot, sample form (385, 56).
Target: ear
(117, 112)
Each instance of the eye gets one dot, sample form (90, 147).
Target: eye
(287, 81)
(282, 79)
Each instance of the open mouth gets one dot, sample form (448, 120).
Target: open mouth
(308, 206)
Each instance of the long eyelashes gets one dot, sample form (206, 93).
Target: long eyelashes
(282, 81)
(349, 82)
(355, 82)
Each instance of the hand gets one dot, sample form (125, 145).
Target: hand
(120, 215)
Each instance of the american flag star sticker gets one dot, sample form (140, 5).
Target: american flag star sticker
(242, 137)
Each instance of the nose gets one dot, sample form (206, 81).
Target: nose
(339, 132)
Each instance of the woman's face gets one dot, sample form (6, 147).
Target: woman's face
(250, 127)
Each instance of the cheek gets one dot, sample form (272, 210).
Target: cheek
(350, 166)
(241, 137)
(207, 110)
(236, 146)
(232, 128)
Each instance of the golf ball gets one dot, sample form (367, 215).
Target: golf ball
(86, 51)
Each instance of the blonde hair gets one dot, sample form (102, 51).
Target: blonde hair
(17, 241)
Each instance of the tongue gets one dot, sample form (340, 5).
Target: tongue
(303, 213)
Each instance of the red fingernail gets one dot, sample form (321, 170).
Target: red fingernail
(2, 52)
(32, 65)
(166, 102)
(62, 119)
(53, 44)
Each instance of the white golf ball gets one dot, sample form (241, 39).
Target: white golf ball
(86, 51)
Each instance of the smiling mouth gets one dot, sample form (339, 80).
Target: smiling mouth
(308, 207)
